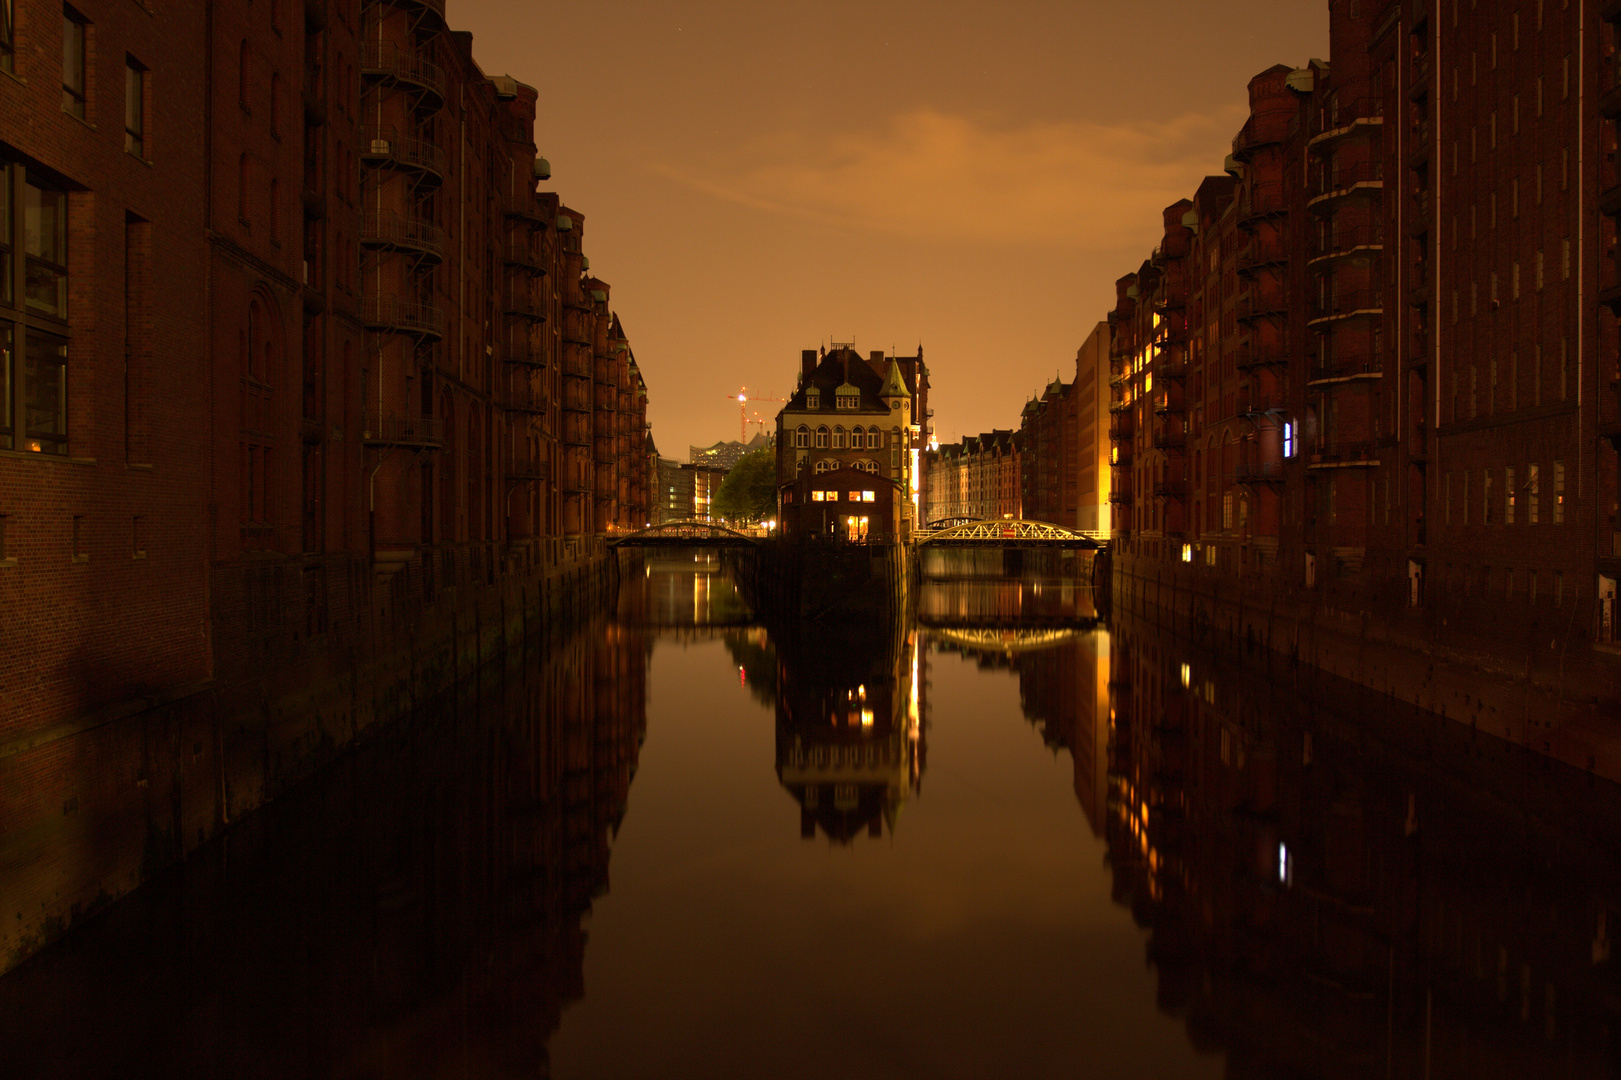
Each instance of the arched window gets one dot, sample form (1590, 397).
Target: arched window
(838, 437)
(799, 466)
(875, 438)
(802, 437)
(857, 437)
(823, 465)
(244, 76)
(821, 438)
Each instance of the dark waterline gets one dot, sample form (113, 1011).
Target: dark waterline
(990, 840)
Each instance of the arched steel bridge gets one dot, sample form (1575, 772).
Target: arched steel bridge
(1013, 533)
(685, 534)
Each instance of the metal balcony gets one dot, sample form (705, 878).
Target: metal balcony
(1265, 202)
(1360, 454)
(524, 207)
(1260, 304)
(1254, 354)
(1258, 472)
(391, 429)
(522, 255)
(1344, 181)
(1366, 240)
(1345, 119)
(396, 232)
(417, 156)
(388, 314)
(1358, 302)
(524, 353)
(1170, 488)
(1347, 368)
(387, 62)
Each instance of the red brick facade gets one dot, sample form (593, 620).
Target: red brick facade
(1374, 367)
(294, 343)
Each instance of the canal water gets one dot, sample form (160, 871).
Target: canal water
(994, 836)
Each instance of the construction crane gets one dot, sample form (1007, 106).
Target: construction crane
(742, 398)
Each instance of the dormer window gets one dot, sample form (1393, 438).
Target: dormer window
(813, 398)
(848, 401)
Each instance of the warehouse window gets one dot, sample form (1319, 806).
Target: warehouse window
(8, 21)
(33, 330)
(74, 90)
(134, 107)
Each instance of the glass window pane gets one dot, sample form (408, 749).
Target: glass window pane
(45, 398)
(6, 409)
(45, 235)
(134, 108)
(5, 234)
(72, 65)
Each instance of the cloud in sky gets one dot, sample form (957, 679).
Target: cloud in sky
(932, 175)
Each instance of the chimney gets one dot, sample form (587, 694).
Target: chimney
(807, 364)
(876, 358)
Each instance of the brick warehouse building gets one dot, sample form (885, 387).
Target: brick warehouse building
(298, 364)
(1369, 376)
(1055, 468)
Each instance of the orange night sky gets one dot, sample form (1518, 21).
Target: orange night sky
(760, 178)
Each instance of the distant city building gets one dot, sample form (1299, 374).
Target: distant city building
(687, 491)
(977, 478)
(724, 455)
(1054, 468)
(849, 443)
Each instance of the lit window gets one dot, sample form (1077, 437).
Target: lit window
(1187, 555)
(869, 496)
(1289, 439)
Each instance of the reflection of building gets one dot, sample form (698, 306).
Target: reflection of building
(1331, 878)
(849, 416)
(849, 727)
(443, 874)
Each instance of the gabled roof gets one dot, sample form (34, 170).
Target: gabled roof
(840, 372)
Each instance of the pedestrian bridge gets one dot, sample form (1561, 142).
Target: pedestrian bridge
(1008, 640)
(685, 534)
(1012, 533)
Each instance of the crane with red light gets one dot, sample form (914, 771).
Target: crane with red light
(742, 398)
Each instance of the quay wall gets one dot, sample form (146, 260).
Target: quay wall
(100, 802)
(1559, 696)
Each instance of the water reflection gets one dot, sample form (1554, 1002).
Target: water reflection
(414, 911)
(1322, 884)
(850, 707)
(1336, 885)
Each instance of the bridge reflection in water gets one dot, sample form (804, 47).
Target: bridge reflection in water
(1322, 885)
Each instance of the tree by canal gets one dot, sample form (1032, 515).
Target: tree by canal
(749, 492)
